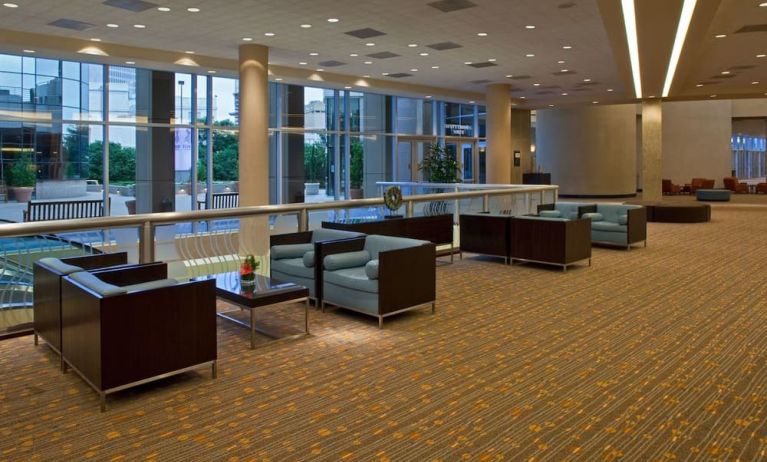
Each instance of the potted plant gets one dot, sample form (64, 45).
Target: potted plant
(440, 167)
(248, 270)
(314, 165)
(21, 178)
(355, 171)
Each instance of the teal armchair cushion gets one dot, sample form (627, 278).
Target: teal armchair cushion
(623, 219)
(375, 243)
(347, 260)
(97, 285)
(280, 252)
(371, 269)
(352, 278)
(593, 216)
(160, 283)
(309, 259)
(59, 266)
(550, 213)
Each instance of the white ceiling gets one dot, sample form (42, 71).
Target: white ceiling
(217, 30)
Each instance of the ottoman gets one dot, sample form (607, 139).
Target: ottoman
(720, 195)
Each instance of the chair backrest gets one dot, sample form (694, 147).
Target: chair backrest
(63, 210)
(667, 186)
(708, 184)
(731, 183)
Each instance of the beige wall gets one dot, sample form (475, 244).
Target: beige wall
(589, 150)
(520, 141)
(696, 140)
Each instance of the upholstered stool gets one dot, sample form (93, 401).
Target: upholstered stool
(720, 195)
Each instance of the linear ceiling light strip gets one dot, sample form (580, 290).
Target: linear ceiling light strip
(629, 20)
(681, 34)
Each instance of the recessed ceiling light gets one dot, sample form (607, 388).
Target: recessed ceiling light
(754, 83)
(720, 36)
(630, 25)
(564, 94)
(130, 62)
(508, 76)
(491, 60)
(699, 85)
(482, 34)
(353, 55)
(472, 102)
(193, 10)
(523, 97)
(467, 62)
(536, 84)
(725, 72)
(163, 9)
(565, 70)
(95, 40)
(306, 26)
(560, 62)
(530, 55)
(761, 56)
(368, 62)
(413, 70)
(567, 47)
(269, 34)
(10, 5)
(302, 63)
(435, 67)
(427, 96)
(424, 54)
(609, 89)
(713, 96)
(587, 80)
(763, 4)
(332, 19)
(247, 39)
(278, 79)
(384, 73)
(113, 26)
(530, 27)
(211, 72)
(370, 44)
(651, 96)
(314, 53)
(348, 87)
(367, 76)
(189, 52)
(139, 26)
(412, 45)
(595, 102)
(320, 70)
(28, 51)
(551, 105)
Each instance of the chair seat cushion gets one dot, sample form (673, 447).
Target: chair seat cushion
(608, 226)
(59, 266)
(347, 260)
(97, 285)
(352, 278)
(293, 267)
(158, 284)
(280, 252)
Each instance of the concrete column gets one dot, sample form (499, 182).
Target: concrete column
(499, 162)
(254, 145)
(652, 149)
(520, 141)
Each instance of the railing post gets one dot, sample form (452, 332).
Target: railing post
(486, 203)
(146, 243)
(303, 220)
(409, 209)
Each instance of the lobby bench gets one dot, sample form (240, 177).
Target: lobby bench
(221, 201)
(63, 210)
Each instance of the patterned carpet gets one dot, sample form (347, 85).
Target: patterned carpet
(652, 354)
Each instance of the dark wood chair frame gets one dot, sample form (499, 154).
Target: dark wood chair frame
(553, 242)
(121, 341)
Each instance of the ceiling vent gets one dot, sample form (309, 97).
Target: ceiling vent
(331, 63)
(72, 24)
(137, 6)
(448, 6)
(480, 82)
(519, 77)
(742, 67)
(481, 65)
(752, 28)
(400, 75)
(723, 76)
(441, 46)
(547, 92)
(365, 33)
(549, 87)
(382, 55)
(566, 5)
(569, 72)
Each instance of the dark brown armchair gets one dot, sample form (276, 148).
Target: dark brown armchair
(761, 188)
(670, 188)
(735, 186)
(700, 183)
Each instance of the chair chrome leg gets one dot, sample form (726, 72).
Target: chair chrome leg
(380, 322)
(322, 305)
(589, 262)
(433, 307)
(103, 401)
(214, 370)
(36, 341)
(306, 317)
(645, 243)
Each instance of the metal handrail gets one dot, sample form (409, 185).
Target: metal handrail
(148, 221)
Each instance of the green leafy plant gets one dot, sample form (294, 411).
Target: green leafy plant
(315, 162)
(440, 167)
(356, 164)
(23, 172)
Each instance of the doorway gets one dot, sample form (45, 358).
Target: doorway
(410, 153)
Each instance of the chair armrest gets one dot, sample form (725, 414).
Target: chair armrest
(95, 261)
(290, 238)
(406, 277)
(636, 225)
(130, 275)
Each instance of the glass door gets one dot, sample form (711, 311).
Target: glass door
(464, 152)
(410, 154)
